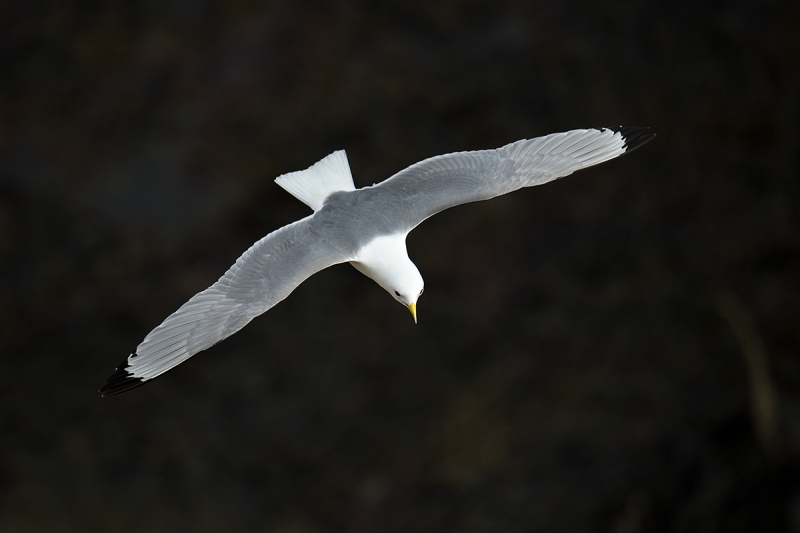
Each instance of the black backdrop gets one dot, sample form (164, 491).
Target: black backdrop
(616, 351)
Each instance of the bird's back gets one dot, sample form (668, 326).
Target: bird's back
(349, 220)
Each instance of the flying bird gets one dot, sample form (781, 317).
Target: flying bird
(365, 227)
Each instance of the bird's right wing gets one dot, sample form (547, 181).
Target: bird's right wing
(444, 181)
(263, 276)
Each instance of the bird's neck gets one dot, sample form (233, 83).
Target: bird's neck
(384, 259)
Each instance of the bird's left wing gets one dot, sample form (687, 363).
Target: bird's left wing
(444, 181)
(263, 276)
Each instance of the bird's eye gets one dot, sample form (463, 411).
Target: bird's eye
(421, 291)
(397, 293)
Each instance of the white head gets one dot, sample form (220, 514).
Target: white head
(385, 260)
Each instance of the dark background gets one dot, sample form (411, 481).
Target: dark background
(617, 351)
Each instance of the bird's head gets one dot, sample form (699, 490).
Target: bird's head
(385, 260)
(407, 287)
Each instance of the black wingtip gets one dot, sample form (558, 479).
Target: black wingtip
(120, 381)
(634, 137)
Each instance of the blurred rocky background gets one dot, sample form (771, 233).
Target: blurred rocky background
(618, 351)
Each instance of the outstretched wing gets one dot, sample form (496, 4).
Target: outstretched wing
(444, 181)
(263, 276)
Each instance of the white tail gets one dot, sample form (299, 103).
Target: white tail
(313, 185)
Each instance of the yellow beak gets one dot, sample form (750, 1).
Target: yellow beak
(413, 309)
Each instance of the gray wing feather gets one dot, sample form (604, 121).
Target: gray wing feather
(263, 276)
(444, 181)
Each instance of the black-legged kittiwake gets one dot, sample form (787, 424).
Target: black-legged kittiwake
(365, 227)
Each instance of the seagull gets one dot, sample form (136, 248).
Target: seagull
(365, 227)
